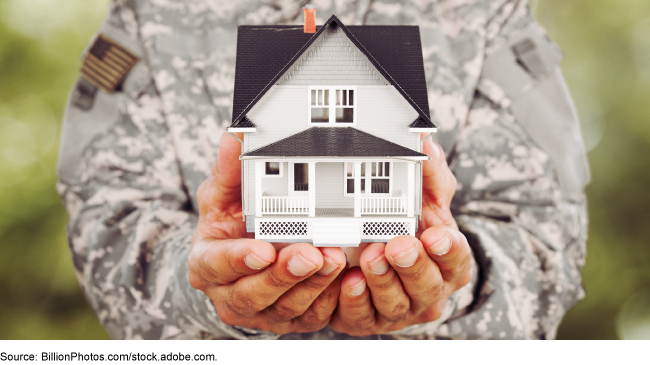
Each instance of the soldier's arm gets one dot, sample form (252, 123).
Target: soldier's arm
(131, 219)
(521, 170)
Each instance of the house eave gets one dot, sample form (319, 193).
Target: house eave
(241, 130)
(336, 158)
(423, 130)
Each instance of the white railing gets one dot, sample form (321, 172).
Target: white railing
(383, 205)
(285, 205)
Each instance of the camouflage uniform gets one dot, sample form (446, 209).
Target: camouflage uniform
(130, 167)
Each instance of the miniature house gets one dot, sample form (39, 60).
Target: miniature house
(331, 118)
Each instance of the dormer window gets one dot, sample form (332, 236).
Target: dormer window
(333, 105)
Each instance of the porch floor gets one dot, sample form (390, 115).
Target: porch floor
(333, 213)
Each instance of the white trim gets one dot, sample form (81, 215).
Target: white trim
(241, 130)
(336, 159)
(423, 130)
(259, 166)
(331, 105)
(410, 177)
(369, 178)
(311, 180)
(274, 176)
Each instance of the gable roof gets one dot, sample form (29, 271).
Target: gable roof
(265, 53)
(333, 142)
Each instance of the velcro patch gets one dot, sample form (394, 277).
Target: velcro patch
(107, 64)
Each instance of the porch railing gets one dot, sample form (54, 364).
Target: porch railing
(285, 205)
(383, 205)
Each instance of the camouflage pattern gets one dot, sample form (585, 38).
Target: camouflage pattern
(131, 198)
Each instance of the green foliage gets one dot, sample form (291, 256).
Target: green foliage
(607, 66)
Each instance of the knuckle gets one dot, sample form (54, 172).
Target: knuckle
(243, 303)
(432, 313)
(311, 322)
(281, 312)
(276, 281)
(227, 315)
(398, 313)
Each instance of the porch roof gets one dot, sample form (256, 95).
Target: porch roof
(333, 142)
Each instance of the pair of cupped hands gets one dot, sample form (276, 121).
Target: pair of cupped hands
(301, 288)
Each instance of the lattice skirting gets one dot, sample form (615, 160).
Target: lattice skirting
(283, 229)
(386, 228)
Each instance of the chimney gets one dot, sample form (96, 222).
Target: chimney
(310, 18)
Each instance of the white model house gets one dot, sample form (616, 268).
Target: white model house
(332, 150)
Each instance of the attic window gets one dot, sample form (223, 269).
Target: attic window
(333, 105)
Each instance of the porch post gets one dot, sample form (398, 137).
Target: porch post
(312, 189)
(259, 170)
(410, 173)
(357, 189)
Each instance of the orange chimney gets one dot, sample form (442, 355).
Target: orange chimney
(310, 18)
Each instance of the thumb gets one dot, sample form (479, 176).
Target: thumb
(223, 186)
(438, 182)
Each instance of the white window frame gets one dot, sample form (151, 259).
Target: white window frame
(368, 178)
(292, 187)
(332, 89)
(274, 176)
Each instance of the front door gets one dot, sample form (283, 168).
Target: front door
(298, 179)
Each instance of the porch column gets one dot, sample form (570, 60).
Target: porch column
(410, 173)
(312, 189)
(259, 170)
(357, 189)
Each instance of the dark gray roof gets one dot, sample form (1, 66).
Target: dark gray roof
(264, 53)
(421, 123)
(244, 123)
(334, 142)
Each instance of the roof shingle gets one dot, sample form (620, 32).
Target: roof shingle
(333, 142)
(264, 53)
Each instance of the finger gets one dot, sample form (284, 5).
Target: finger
(417, 272)
(319, 313)
(300, 297)
(293, 264)
(223, 187)
(438, 185)
(450, 250)
(222, 262)
(388, 295)
(355, 313)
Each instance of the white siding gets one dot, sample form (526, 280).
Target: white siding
(329, 186)
(333, 60)
(382, 112)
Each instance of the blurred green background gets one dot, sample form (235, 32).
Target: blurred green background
(607, 66)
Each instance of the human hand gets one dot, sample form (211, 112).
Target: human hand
(408, 280)
(250, 284)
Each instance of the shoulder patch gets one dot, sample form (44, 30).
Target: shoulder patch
(107, 63)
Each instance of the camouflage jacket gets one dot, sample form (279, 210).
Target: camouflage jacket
(130, 166)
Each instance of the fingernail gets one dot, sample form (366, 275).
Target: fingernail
(441, 247)
(379, 266)
(255, 262)
(358, 289)
(328, 267)
(406, 258)
(299, 266)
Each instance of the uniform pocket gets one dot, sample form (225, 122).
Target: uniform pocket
(524, 76)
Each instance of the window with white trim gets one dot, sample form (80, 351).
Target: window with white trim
(335, 105)
(273, 169)
(380, 178)
(374, 174)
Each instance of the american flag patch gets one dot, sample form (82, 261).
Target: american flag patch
(107, 64)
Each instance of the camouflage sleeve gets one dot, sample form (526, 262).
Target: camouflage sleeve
(131, 222)
(521, 169)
